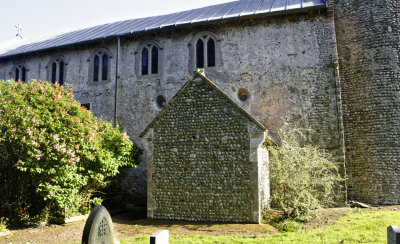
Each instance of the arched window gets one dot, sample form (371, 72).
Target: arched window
(57, 71)
(104, 68)
(61, 73)
(154, 60)
(16, 75)
(211, 52)
(101, 65)
(19, 73)
(145, 61)
(53, 72)
(96, 68)
(205, 55)
(204, 49)
(150, 59)
(200, 54)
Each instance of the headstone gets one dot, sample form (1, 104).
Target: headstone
(393, 234)
(160, 237)
(99, 228)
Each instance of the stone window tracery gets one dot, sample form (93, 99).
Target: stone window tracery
(149, 59)
(204, 51)
(101, 65)
(19, 73)
(56, 71)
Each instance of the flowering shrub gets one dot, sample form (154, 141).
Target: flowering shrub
(54, 154)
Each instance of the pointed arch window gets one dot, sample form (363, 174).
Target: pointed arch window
(200, 54)
(100, 66)
(150, 59)
(19, 73)
(96, 68)
(145, 61)
(205, 51)
(57, 71)
(104, 67)
(211, 52)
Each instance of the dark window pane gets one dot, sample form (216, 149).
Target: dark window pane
(61, 74)
(104, 69)
(23, 71)
(211, 53)
(145, 61)
(53, 72)
(16, 78)
(154, 60)
(96, 68)
(200, 54)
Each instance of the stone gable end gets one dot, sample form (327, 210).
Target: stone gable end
(205, 161)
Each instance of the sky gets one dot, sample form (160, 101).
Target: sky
(42, 17)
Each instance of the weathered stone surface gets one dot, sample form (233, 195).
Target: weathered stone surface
(99, 228)
(368, 37)
(286, 63)
(393, 234)
(205, 158)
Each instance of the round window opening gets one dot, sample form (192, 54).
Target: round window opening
(243, 94)
(161, 102)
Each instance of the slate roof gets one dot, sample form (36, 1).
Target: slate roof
(230, 10)
(228, 99)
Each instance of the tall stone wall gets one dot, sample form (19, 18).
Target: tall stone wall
(286, 63)
(368, 46)
(203, 160)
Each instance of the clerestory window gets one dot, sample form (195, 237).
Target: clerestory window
(149, 59)
(205, 51)
(101, 66)
(19, 73)
(56, 71)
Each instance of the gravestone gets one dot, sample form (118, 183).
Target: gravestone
(393, 234)
(99, 228)
(160, 237)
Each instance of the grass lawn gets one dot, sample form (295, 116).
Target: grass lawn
(357, 226)
(335, 225)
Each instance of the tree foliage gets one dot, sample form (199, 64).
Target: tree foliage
(303, 177)
(54, 154)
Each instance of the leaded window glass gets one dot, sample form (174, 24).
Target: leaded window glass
(200, 54)
(104, 69)
(149, 59)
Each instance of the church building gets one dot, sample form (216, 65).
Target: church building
(333, 65)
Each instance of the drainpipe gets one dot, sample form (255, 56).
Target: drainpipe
(116, 82)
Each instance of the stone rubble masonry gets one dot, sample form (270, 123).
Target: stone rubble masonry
(368, 38)
(286, 63)
(205, 158)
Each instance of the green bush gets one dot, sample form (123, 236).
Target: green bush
(303, 177)
(3, 224)
(54, 154)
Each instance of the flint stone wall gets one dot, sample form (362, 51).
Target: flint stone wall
(203, 160)
(368, 36)
(287, 63)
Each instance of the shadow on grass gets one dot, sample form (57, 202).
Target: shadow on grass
(142, 226)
